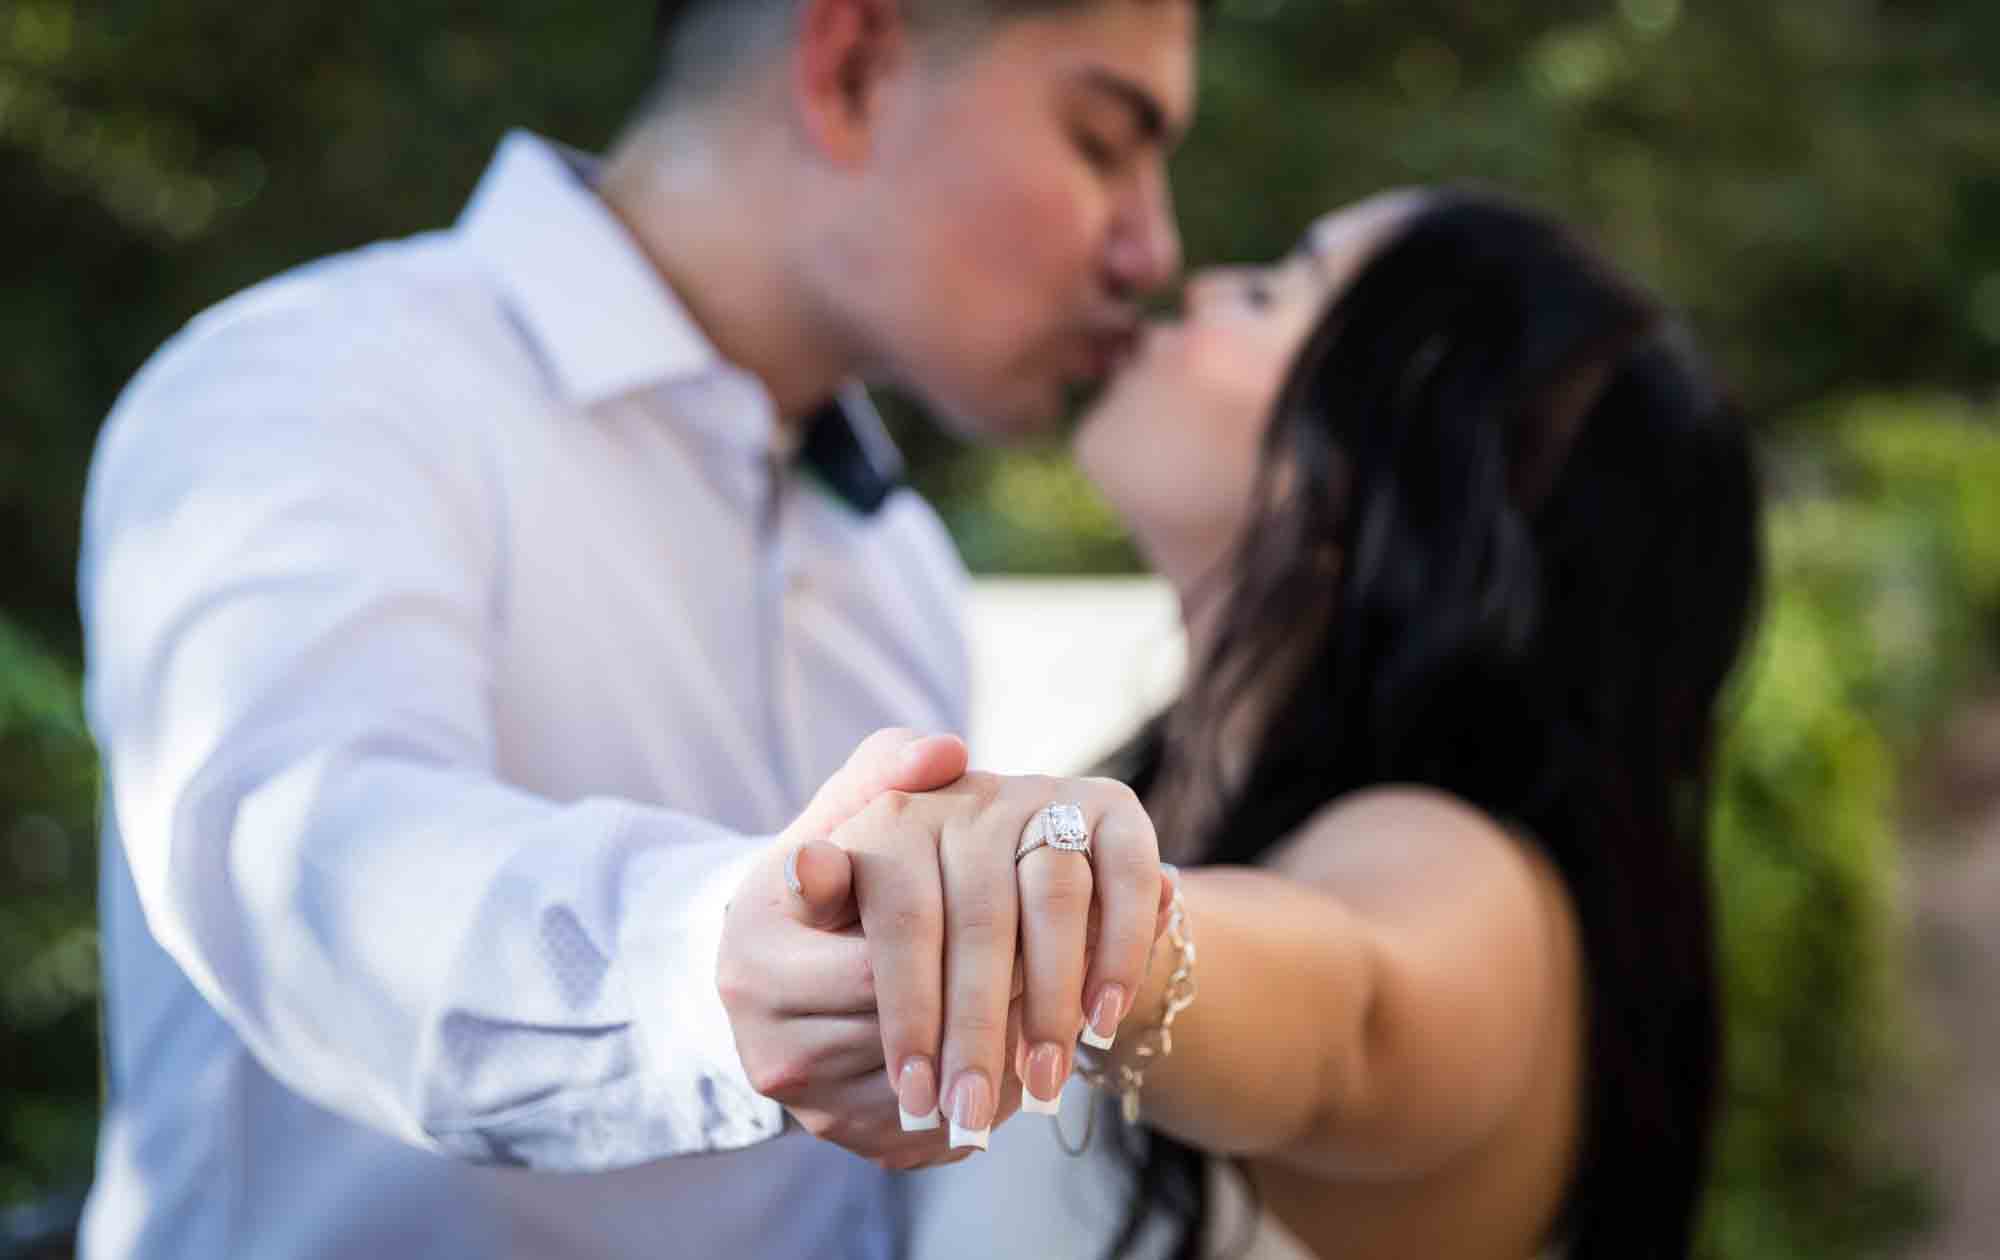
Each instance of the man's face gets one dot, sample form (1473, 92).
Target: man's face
(1017, 208)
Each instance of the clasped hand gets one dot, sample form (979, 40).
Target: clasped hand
(890, 966)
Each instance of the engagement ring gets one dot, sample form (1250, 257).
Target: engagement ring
(1058, 826)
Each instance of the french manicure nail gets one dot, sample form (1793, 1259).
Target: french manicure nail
(916, 1096)
(971, 1111)
(1104, 1017)
(792, 873)
(1042, 1094)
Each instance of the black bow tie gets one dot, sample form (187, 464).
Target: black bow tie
(835, 454)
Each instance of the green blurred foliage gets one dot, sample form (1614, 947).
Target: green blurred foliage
(1883, 606)
(48, 938)
(1804, 853)
(1817, 182)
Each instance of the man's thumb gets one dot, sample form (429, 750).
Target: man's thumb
(893, 760)
(818, 873)
(820, 876)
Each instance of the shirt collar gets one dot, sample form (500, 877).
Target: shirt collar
(606, 322)
(595, 307)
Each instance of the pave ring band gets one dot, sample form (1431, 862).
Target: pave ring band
(1055, 826)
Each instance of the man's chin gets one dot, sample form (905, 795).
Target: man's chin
(1021, 419)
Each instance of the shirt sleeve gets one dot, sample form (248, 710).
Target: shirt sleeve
(287, 589)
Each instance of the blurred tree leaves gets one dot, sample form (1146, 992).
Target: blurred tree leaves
(48, 937)
(1816, 181)
(159, 157)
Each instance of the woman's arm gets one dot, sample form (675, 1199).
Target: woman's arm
(1373, 1002)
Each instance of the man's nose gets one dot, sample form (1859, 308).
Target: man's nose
(1146, 242)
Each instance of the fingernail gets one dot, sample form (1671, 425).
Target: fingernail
(792, 873)
(971, 1111)
(1104, 1017)
(916, 1096)
(1044, 1081)
(1172, 872)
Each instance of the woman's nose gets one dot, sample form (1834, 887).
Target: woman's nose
(1214, 286)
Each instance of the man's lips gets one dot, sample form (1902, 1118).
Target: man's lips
(1101, 352)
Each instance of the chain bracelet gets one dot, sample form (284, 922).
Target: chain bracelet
(1157, 1042)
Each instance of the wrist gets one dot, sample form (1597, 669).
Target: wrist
(1167, 990)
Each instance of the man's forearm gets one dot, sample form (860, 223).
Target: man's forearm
(461, 965)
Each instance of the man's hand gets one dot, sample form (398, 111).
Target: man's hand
(795, 974)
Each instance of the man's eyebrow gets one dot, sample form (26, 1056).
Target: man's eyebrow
(1147, 112)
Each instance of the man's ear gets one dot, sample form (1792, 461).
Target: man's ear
(844, 52)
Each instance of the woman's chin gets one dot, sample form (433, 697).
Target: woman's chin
(1093, 440)
(1105, 421)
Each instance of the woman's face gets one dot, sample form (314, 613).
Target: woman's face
(1173, 443)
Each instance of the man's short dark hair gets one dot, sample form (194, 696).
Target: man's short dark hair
(668, 13)
(700, 44)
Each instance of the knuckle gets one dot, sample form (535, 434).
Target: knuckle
(984, 787)
(981, 918)
(1041, 787)
(1137, 864)
(877, 825)
(887, 810)
(1122, 795)
(975, 816)
(780, 1079)
(819, 1124)
(844, 1133)
(912, 924)
(812, 1122)
(1133, 830)
(977, 1024)
(733, 984)
(1029, 792)
(1006, 794)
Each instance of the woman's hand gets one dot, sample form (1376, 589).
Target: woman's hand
(946, 911)
(945, 906)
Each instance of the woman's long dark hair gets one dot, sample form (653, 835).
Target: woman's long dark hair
(1504, 544)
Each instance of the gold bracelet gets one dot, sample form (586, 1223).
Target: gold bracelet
(1156, 1042)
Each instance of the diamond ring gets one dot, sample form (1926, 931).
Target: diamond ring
(1055, 826)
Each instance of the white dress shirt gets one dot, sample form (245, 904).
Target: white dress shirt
(456, 633)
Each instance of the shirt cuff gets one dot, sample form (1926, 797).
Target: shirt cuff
(672, 933)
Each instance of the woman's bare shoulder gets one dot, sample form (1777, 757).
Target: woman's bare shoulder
(1382, 831)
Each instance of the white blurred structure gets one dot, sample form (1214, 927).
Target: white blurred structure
(1064, 669)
